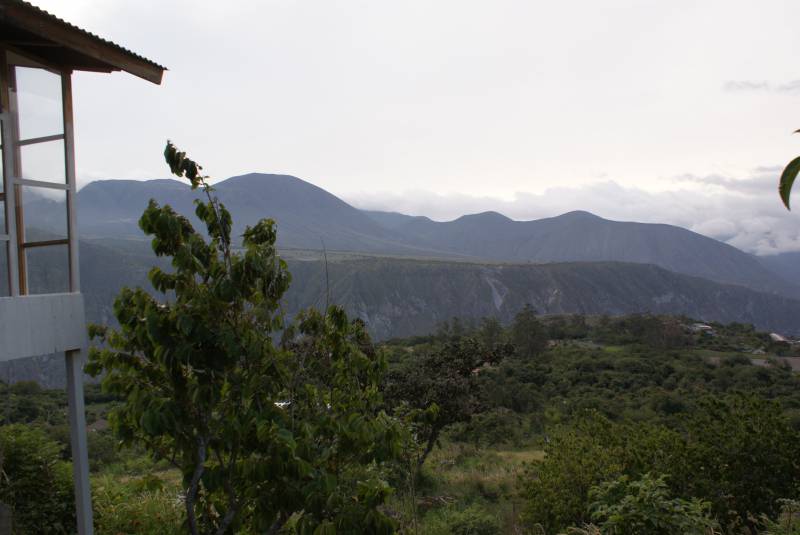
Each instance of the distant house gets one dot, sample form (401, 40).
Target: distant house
(775, 337)
(41, 307)
(701, 328)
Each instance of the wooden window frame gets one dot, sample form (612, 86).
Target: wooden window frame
(14, 236)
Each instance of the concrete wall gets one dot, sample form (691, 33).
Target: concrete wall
(35, 325)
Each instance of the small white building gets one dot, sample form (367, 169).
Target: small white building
(701, 328)
(45, 314)
(775, 337)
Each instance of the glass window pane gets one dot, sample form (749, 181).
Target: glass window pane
(44, 212)
(44, 161)
(2, 217)
(39, 103)
(48, 269)
(4, 291)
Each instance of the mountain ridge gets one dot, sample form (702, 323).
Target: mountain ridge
(311, 218)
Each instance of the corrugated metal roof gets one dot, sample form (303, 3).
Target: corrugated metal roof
(44, 24)
(89, 34)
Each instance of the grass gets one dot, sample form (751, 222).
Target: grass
(465, 485)
(147, 504)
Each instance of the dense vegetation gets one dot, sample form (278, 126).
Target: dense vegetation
(590, 424)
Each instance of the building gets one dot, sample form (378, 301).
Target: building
(41, 307)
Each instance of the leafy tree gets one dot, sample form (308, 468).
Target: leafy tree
(528, 334)
(265, 435)
(491, 332)
(35, 482)
(441, 387)
(577, 458)
(739, 454)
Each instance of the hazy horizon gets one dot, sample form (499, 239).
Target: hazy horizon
(662, 112)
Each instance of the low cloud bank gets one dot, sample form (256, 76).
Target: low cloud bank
(744, 212)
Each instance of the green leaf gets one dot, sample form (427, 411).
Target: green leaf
(787, 180)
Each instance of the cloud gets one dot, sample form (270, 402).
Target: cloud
(763, 180)
(734, 86)
(743, 212)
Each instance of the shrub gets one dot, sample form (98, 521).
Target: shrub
(35, 482)
(626, 507)
(474, 521)
(788, 522)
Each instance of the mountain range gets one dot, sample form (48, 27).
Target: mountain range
(404, 274)
(311, 218)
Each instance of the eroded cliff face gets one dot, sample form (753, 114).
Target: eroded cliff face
(406, 297)
(402, 297)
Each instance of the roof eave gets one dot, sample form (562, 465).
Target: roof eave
(46, 26)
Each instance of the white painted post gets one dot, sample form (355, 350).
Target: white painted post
(75, 360)
(80, 450)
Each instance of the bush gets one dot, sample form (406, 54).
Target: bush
(625, 507)
(35, 482)
(739, 454)
(788, 522)
(474, 521)
(497, 426)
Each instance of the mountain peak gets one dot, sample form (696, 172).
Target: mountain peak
(485, 217)
(578, 214)
(263, 178)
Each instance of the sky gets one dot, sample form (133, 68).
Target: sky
(678, 112)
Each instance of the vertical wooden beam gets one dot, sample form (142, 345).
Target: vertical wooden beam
(8, 172)
(69, 162)
(80, 450)
(16, 171)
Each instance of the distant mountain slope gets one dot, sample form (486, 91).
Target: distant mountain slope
(400, 297)
(397, 297)
(786, 265)
(307, 216)
(581, 236)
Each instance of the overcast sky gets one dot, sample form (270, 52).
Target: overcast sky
(673, 111)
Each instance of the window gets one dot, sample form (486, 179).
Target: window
(35, 234)
(39, 104)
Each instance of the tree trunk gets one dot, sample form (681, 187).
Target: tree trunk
(194, 486)
(428, 449)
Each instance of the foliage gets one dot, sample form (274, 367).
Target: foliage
(528, 334)
(441, 387)
(141, 505)
(737, 454)
(788, 177)
(492, 427)
(470, 520)
(741, 455)
(626, 507)
(35, 482)
(788, 521)
(474, 521)
(578, 458)
(262, 434)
